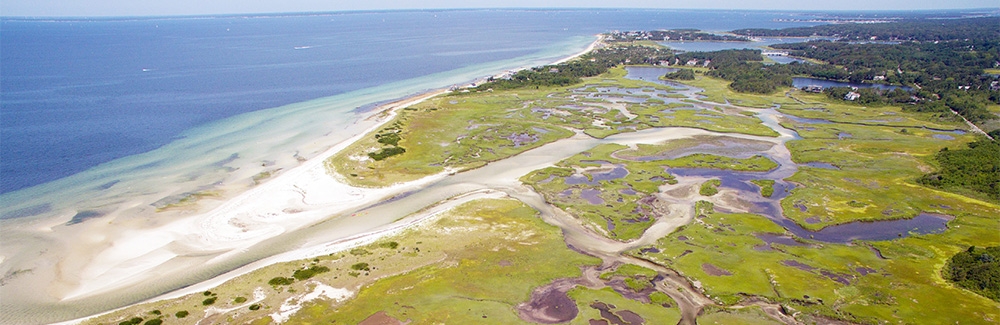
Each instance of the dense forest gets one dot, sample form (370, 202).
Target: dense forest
(976, 168)
(976, 269)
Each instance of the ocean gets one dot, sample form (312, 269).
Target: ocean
(113, 119)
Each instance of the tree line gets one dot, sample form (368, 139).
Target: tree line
(976, 168)
(594, 63)
(922, 30)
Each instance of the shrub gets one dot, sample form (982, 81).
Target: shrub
(660, 298)
(132, 321)
(281, 281)
(361, 267)
(156, 321)
(637, 285)
(240, 300)
(208, 301)
(181, 314)
(682, 74)
(386, 153)
(391, 138)
(254, 307)
(389, 245)
(310, 272)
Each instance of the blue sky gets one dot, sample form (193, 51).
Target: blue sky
(201, 7)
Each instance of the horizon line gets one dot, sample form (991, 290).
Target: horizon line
(992, 12)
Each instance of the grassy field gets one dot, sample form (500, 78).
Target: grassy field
(718, 91)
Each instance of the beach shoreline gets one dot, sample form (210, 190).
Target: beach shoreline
(308, 183)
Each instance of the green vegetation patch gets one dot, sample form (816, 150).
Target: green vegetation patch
(975, 169)
(629, 270)
(309, 272)
(682, 74)
(209, 301)
(976, 269)
(281, 281)
(710, 187)
(756, 163)
(683, 115)
(132, 321)
(766, 186)
(389, 245)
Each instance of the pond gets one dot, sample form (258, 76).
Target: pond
(616, 173)
(653, 74)
(924, 223)
(800, 82)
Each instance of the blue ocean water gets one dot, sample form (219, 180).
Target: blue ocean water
(76, 93)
